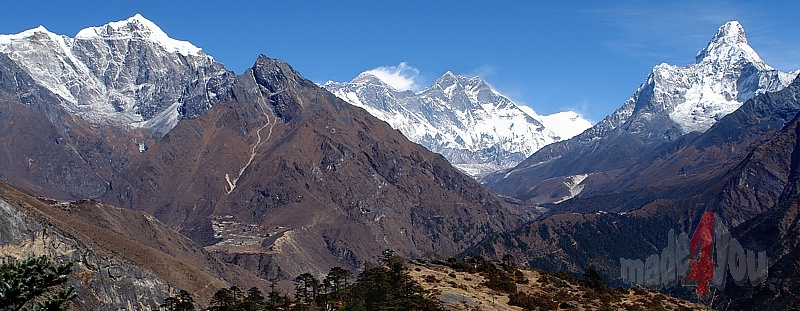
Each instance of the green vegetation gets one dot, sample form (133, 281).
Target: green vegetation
(35, 284)
(182, 302)
(233, 299)
(390, 286)
(387, 286)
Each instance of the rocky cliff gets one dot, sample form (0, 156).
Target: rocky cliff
(123, 259)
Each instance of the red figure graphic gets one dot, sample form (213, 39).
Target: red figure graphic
(702, 270)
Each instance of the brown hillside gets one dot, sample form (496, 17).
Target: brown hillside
(123, 258)
(285, 178)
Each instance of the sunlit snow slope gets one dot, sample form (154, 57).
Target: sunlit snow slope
(476, 128)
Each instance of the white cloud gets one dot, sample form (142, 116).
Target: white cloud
(484, 72)
(401, 77)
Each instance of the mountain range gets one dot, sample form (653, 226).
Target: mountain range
(742, 168)
(326, 183)
(103, 97)
(673, 102)
(154, 168)
(472, 125)
(266, 169)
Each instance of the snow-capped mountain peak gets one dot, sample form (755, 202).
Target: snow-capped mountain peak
(566, 123)
(463, 118)
(451, 87)
(369, 78)
(140, 28)
(675, 100)
(729, 45)
(5, 39)
(8, 40)
(126, 73)
(671, 102)
(448, 84)
(727, 73)
(447, 78)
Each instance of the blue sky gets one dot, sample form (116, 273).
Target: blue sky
(550, 56)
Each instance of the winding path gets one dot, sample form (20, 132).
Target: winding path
(232, 183)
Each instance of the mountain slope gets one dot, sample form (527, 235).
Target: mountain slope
(778, 233)
(755, 194)
(48, 150)
(673, 101)
(741, 163)
(123, 259)
(285, 178)
(74, 111)
(477, 129)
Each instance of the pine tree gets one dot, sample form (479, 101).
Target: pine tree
(275, 299)
(307, 288)
(223, 300)
(254, 300)
(388, 287)
(337, 282)
(182, 302)
(35, 282)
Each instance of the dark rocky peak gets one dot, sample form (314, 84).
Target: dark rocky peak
(281, 86)
(277, 76)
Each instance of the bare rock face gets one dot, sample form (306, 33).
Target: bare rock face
(286, 173)
(123, 259)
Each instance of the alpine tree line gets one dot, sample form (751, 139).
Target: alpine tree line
(38, 283)
(386, 286)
